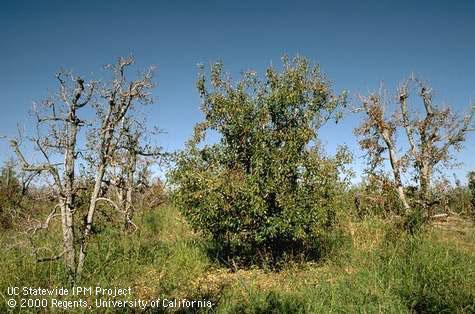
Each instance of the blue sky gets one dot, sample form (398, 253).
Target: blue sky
(357, 43)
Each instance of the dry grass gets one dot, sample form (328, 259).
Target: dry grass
(454, 231)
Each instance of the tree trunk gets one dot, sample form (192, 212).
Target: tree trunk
(396, 172)
(67, 204)
(129, 209)
(400, 190)
(68, 240)
(90, 216)
(425, 173)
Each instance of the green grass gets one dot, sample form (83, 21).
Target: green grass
(379, 269)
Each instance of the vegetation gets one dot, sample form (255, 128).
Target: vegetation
(430, 140)
(10, 194)
(266, 188)
(261, 221)
(379, 269)
(471, 187)
(58, 127)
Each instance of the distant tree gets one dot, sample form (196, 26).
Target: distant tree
(266, 187)
(10, 193)
(132, 158)
(432, 138)
(471, 187)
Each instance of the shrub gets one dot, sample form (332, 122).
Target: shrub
(265, 189)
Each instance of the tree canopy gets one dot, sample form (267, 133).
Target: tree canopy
(266, 185)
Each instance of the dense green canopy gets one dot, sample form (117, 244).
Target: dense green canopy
(266, 186)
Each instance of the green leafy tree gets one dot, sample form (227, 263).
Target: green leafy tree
(265, 187)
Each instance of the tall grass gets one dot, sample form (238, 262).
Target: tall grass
(378, 270)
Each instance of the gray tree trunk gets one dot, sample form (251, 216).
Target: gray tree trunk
(393, 158)
(90, 216)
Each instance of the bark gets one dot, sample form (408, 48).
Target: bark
(68, 206)
(90, 217)
(68, 240)
(394, 160)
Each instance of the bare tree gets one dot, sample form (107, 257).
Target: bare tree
(118, 99)
(58, 119)
(378, 135)
(134, 153)
(431, 139)
(58, 125)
